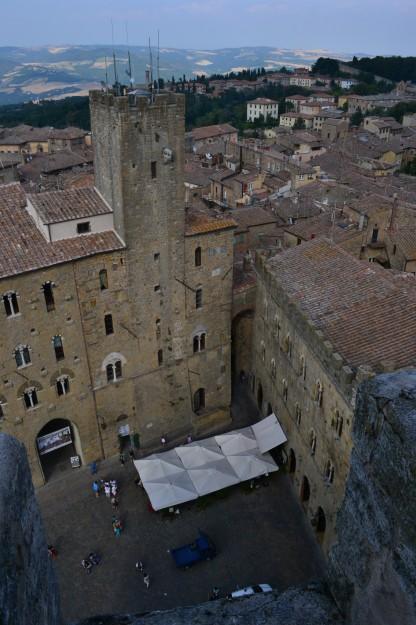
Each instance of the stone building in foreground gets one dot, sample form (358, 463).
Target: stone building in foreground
(116, 301)
(324, 323)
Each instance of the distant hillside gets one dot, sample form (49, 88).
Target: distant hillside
(56, 72)
(392, 67)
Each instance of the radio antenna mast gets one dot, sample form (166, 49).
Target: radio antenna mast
(158, 63)
(151, 71)
(114, 54)
(129, 70)
(106, 74)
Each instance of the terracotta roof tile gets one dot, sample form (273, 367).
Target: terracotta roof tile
(368, 314)
(57, 206)
(22, 246)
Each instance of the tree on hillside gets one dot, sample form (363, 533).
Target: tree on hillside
(326, 66)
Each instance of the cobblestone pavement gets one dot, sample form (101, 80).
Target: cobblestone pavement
(261, 535)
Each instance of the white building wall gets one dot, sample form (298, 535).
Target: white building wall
(68, 229)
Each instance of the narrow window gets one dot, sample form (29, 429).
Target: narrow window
(202, 342)
(118, 369)
(62, 385)
(58, 347)
(329, 472)
(160, 357)
(298, 414)
(110, 372)
(30, 398)
(108, 323)
(103, 279)
(374, 235)
(199, 342)
(83, 227)
(196, 344)
(199, 400)
(198, 257)
(22, 356)
(48, 293)
(156, 256)
(312, 442)
(11, 305)
(198, 298)
(158, 328)
(153, 169)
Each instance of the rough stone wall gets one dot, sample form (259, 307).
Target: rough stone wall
(279, 336)
(28, 588)
(35, 326)
(373, 566)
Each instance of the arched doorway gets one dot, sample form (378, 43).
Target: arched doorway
(58, 445)
(241, 340)
(305, 490)
(292, 461)
(260, 396)
(320, 521)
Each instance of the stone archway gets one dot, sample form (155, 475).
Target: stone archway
(241, 343)
(56, 443)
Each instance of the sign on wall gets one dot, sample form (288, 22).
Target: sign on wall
(54, 440)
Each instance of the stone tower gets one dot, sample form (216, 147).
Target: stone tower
(139, 163)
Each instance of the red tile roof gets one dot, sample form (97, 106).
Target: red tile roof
(57, 206)
(22, 246)
(368, 313)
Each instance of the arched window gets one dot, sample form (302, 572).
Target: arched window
(302, 367)
(103, 277)
(292, 461)
(58, 347)
(199, 400)
(22, 356)
(62, 385)
(273, 368)
(114, 371)
(198, 257)
(318, 392)
(284, 389)
(338, 423)
(298, 414)
(199, 342)
(329, 472)
(312, 442)
(287, 345)
(11, 305)
(276, 326)
(305, 491)
(48, 294)
(30, 398)
(108, 324)
(198, 298)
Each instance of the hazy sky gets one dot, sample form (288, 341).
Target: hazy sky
(373, 26)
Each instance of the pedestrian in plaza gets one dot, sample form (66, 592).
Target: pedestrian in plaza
(96, 488)
(114, 503)
(86, 564)
(140, 566)
(93, 468)
(189, 439)
(122, 458)
(52, 552)
(113, 486)
(146, 579)
(163, 441)
(107, 489)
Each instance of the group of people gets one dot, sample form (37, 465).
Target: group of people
(110, 488)
(91, 560)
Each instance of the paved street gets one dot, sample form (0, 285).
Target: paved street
(260, 534)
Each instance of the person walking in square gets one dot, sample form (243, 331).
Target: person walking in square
(146, 579)
(107, 489)
(96, 488)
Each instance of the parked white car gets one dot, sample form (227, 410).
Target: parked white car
(250, 590)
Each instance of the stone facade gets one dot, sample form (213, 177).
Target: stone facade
(130, 320)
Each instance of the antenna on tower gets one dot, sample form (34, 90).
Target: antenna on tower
(114, 55)
(129, 70)
(158, 63)
(151, 71)
(106, 74)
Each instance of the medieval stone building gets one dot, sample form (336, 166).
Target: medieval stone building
(116, 321)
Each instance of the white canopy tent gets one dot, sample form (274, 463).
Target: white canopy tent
(238, 441)
(159, 466)
(213, 476)
(248, 466)
(199, 454)
(268, 433)
(170, 491)
(190, 471)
